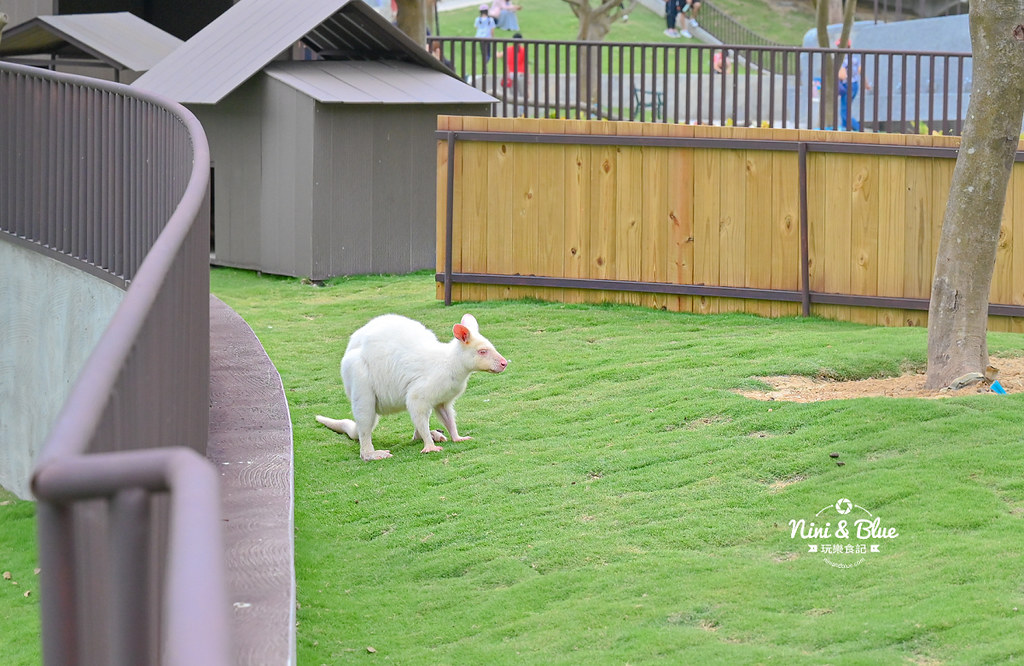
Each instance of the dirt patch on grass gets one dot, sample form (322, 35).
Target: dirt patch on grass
(792, 388)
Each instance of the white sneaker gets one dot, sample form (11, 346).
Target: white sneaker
(669, 32)
(694, 23)
(686, 33)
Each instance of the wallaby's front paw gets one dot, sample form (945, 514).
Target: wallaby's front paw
(430, 448)
(438, 436)
(379, 454)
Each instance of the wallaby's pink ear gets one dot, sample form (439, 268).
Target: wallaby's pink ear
(461, 332)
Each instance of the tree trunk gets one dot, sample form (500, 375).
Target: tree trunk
(593, 28)
(958, 312)
(412, 20)
(594, 23)
(829, 64)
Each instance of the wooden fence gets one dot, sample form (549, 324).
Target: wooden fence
(705, 218)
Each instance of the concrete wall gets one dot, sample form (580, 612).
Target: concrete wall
(51, 316)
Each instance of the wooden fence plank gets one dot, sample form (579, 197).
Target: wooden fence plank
(864, 228)
(602, 217)
(731, 190)
(655, 216)
(891, 231)
(1016, 195)
(680, 203)
(500, 207)
(707, 181)
(629, 210)
(838, 230)
(475, 207)
(785, 241)
(525, 231)
(918, 258)
(550, 244)
(576, 180)
(759, 209)
(1001, 290)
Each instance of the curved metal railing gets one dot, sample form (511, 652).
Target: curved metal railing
(115, 182)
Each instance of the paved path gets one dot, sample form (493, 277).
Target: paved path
(251, 445)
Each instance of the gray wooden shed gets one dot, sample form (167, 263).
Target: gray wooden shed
(321, 167)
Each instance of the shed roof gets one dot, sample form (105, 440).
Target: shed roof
(119, 39)
(242, 40)
(374, 82)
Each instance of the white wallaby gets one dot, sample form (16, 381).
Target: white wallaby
(394, 363)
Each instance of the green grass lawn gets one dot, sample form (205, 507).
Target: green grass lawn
(19, 583)
(619, 503)
(554, 20)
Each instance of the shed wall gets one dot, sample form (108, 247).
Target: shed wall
(234, 130)
(373, 207)
(286, 195)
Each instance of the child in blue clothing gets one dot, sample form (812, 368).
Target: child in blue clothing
(484, 30)
(849, 86)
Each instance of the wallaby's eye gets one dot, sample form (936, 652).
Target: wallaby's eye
(482, 352)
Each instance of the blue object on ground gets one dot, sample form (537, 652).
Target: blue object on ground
(998, 388)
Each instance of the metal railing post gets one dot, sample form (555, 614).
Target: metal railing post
(805, 257)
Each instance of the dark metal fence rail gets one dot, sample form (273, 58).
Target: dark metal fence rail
(754, 86)
(115, 182)
(447, 277)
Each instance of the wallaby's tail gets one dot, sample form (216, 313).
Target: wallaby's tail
(344, 426)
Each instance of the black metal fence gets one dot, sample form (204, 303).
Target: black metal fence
(114, 181)
(753, 86)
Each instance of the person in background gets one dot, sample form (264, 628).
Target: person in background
(515, 67)
(690, 10)
(849, 86)
(671, 14)
(721, 62)
(504, 14)
(435, 50)
(484, 30)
